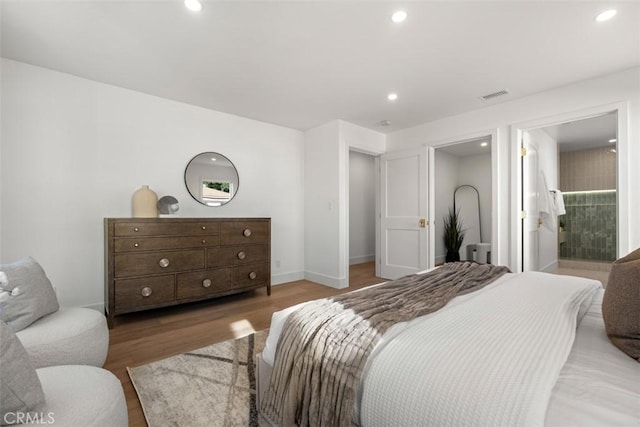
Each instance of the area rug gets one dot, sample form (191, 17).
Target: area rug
(211, 386)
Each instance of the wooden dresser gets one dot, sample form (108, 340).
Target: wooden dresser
(158, 262)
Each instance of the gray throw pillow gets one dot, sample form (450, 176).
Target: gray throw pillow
(26, 294)
(20, 389)
(621, 304)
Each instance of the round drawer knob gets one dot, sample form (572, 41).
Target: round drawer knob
(206, 283)
(135, 245)
(252, 275)
(204, 241)
(247, 232)
(204, 227)
(146, 291)
(164, 263)
(136, 229)
(242, 255)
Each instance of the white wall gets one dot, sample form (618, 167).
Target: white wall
(619, 87)
(73, 151)
(326, 178)
(321, 204)
(547, 164)
(362, 207)
(357, 138)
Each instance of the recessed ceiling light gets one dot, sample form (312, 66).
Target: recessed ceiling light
(385, 123)
(484, 144)
(612, 140)
(399, 16)
(392, 96)
(193, 5)
(606, 15)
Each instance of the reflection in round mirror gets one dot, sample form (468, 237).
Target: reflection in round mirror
(211, 179)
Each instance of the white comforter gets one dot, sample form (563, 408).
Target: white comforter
(491, 361)
(489, 358)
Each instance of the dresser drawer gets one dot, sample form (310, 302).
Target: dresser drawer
(236, 255)
(203, 283)
(157, 262)
(139, 244)
(170, 228)
(251, 275)
(134, 293)
(241, 232)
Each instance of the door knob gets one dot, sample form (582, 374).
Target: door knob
(423, 223)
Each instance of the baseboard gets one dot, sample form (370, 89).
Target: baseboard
(551, 267)
(279, 279)
(361, 259)
(334, 282)
(440, 259)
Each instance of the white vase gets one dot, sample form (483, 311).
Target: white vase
(145, 203)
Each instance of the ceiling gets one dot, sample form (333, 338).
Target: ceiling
(473, 147)
(302, 63)
(585, 134)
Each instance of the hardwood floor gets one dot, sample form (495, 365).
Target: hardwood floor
(140, 338)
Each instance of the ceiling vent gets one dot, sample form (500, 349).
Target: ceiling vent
(495, 94)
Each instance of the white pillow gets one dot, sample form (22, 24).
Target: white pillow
(20, 389)
(26, 294)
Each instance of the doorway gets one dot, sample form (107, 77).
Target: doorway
(362, 209)
(577, 172)
(587, 232)
(463, 184)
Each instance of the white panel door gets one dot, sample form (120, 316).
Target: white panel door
(531, 222)
(404, 237)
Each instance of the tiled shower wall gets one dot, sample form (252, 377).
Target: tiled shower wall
(590, 222)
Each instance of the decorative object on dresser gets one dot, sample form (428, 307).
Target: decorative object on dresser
(144, 203)
(168, 205)
(158, 262)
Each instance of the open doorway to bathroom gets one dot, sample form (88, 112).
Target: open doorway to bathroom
(463, 178)
(587, 180)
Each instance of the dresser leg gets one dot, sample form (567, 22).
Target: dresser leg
(109, 320)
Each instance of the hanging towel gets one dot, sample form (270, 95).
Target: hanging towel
(545, 206)
(558, 202)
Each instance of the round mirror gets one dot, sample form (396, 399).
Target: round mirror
(211, 179)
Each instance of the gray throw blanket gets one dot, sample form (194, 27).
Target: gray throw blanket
(324, 345)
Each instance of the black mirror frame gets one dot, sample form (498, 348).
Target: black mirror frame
(196, 197)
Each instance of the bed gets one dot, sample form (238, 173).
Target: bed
(524, 349)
